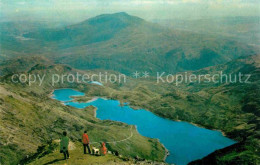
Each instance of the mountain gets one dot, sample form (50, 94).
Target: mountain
(97, 29)
(126, 43)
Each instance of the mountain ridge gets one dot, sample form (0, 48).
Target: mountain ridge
(126, 43)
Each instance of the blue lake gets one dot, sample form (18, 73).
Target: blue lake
(184, 141)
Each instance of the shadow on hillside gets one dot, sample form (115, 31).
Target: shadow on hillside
(54, 161)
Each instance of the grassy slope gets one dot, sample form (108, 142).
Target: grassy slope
(29, 119)
(21, 64)
(77, 157)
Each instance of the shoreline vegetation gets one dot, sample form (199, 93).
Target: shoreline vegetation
(197, 125)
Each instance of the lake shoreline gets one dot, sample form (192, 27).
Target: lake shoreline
(167, 153)
(51, 94)
(197, 125)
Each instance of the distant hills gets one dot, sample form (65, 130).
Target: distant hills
(242, 29)
(125, 43)
(97, 29)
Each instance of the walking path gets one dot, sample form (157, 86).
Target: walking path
(117, 140)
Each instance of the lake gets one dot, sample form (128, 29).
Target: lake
(184, 141)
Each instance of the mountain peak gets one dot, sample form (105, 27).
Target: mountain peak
(120, 17)
(121, 13)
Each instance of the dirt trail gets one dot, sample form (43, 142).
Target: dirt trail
(117, 141)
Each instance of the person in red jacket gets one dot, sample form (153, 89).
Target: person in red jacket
(103, 149)
(85, 141)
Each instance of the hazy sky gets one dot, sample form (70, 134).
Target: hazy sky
(76, 10)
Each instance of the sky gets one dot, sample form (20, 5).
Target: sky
(77, 10)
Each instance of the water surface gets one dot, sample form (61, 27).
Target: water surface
(184, 141)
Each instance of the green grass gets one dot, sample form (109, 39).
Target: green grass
(76, 157)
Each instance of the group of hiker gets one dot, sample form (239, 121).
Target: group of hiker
(64, 145)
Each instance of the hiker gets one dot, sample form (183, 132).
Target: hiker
(85, 141)
(64, 145)
(103, 149)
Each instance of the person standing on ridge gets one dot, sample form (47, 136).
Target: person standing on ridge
(85, 141)
(64, 145)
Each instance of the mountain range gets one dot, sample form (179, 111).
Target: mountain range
(125, 43)
(243, 29)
